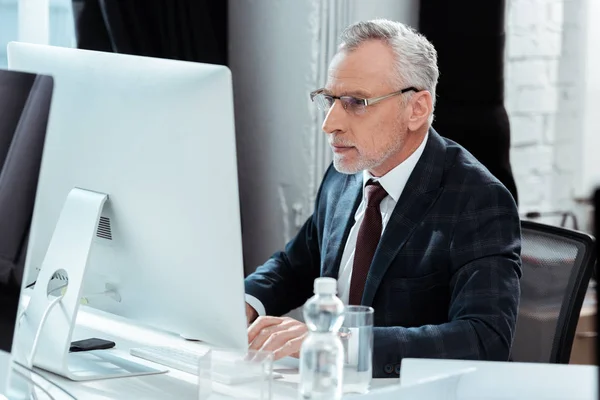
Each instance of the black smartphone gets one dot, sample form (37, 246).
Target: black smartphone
(91, 344)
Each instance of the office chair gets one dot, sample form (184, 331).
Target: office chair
(557, 267)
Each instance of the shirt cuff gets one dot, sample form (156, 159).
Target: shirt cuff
(256, 304)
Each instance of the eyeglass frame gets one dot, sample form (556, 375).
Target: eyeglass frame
(366, 102)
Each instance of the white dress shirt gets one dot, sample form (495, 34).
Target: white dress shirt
(393, 182)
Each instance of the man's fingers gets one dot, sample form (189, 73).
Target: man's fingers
(261, 323)
(279, 339)
(264, 335)
(290, 348)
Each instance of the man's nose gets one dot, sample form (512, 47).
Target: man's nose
(335, 119)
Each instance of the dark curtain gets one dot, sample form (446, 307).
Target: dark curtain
(188, 30)
(469, 36)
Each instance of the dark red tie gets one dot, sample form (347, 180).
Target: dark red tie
(369, 234)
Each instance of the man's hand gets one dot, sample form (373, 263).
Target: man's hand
(251, 314)
(281, 335)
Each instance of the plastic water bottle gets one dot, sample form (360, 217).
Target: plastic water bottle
(322, 352)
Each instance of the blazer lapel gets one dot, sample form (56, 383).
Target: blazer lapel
(419, 194)
(343, 219)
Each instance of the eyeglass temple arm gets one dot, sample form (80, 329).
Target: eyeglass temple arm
(378, 99)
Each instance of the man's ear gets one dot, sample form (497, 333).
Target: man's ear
(421, 107)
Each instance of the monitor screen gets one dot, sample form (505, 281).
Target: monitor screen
(596, 233)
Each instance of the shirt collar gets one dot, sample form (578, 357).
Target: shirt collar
(395, 180)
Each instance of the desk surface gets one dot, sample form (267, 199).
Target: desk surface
(512, 379)
(171, 385)
(4, 366)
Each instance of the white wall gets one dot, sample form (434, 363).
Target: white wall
(544, 87)
(279, 51)
(9, 28)
(590, 177)
(61, 32)
(406, 11)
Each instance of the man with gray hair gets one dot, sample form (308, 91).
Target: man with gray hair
(407, 222)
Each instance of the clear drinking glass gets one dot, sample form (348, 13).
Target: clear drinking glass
(357, 338)
(233, 374)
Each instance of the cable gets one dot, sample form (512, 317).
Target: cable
(28, 379)
(39, 330)
(51, 293)
(34, 346)
(62, 389)
(65, 391)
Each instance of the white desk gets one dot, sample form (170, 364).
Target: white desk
(4, 367)
(171, 385)
(507, 380)
(488, 380)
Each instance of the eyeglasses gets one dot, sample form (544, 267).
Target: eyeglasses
(351, 104)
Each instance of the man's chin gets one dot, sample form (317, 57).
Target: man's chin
(345, 167)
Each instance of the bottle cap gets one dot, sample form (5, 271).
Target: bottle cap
(325, 286)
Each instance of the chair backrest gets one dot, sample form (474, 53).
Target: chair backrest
(557, 267)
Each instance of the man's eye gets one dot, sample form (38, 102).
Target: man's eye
(354, 103)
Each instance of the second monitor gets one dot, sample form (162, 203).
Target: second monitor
(157, 138)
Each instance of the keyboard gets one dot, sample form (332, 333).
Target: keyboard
(186, 360)
(173, 357)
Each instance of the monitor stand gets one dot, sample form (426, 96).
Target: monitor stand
(68, 252)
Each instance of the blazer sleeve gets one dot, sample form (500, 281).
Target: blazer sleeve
(285, 281)
(484, 288)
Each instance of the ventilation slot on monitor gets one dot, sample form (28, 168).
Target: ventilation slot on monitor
(104, 231)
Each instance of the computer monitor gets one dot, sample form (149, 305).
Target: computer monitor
(596, 234)
(157, 137)
(24, 107)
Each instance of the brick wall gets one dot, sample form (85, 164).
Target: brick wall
(543, 77)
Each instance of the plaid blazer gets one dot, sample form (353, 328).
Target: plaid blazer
(444, 281)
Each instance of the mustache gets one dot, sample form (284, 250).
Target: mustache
(339, 142)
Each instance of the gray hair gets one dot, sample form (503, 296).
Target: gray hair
(416, 58)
